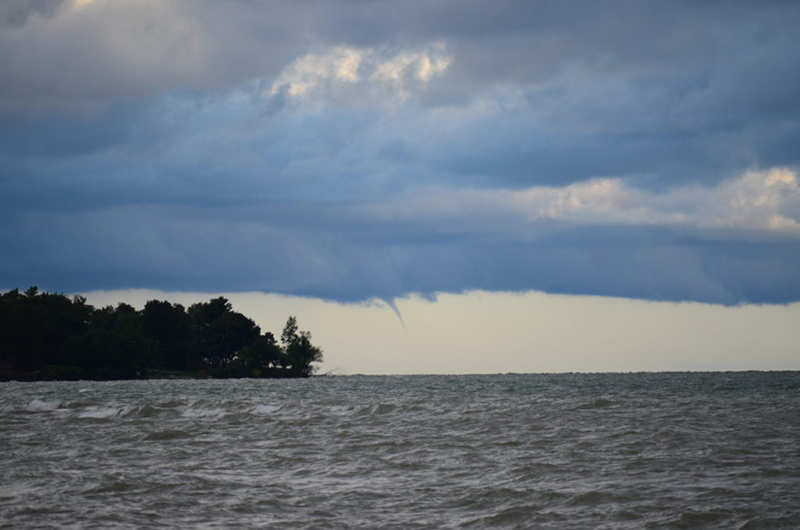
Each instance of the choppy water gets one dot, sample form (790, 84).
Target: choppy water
(502, 451)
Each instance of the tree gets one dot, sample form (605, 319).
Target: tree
(52, 336)
(289, 333)
(218, 333)
(261, 357)
(169, 329)
(114, 345)
(299, 350)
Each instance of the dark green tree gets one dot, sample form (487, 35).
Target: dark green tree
(262, 357)
(114, 346)
(35, 328)
(218, 333)
(300, 353)
(169, 329)
(50, 336)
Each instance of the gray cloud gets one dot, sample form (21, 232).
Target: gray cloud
(353, 150)
(730, 244)
(15, 13)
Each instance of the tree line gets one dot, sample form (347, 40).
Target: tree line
(52, 336)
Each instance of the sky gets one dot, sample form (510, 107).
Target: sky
(573, 186)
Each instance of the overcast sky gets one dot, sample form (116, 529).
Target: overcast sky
(350, 151)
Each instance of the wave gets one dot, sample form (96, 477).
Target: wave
(596, 404)
(104, 413)
(38, 405)
(432, 452)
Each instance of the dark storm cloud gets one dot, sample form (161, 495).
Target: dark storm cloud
(16, 12)
(352, 150)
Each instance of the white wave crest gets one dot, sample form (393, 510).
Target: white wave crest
(38, 405)
(204, 413)
(103, 413)
(265, 409)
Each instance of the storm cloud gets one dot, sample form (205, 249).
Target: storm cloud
(358, 150)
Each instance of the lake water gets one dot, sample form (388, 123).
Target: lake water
(615, 451)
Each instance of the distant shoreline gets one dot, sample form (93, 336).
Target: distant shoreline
(33, 377)
(163, 375)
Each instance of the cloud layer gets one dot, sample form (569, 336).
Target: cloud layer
(353, 150)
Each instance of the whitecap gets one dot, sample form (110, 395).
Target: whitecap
(203, 413)
(38, 405)
(265, 409)
(102, 413)
(382, 408)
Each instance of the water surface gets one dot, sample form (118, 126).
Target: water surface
(702, 450)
